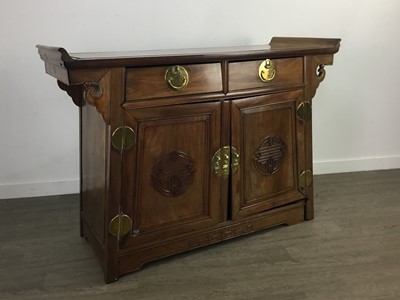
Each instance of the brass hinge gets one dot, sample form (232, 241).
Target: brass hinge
(304, 111)
(123, 138)
(120, 225)
(224, 160)
(305, 179)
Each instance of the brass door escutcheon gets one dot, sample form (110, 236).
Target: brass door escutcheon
(177, 77)
(225, 159)
(123, 138)
(266, 70)
(220, 161)
(235, 163)
(120, 225)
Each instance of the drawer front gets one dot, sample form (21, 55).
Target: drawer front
(245, 75)
(151, 82)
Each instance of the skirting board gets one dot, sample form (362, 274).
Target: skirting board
(48, 188)
(356, 165)
(36, 189)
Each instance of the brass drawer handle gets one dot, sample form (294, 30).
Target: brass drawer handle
(267, 70)
(177, 77)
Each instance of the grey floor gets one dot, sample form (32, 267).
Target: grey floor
(351, 250)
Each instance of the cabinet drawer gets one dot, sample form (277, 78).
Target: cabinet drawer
(151, 82)
(245, 75)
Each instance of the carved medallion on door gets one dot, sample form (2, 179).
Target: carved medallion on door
(173, 173)
(269, 155)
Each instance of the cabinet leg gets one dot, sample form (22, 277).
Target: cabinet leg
(110, 277)
(309, 209)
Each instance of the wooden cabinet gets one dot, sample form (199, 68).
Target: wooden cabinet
(182, 149)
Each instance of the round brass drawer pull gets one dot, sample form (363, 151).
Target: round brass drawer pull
(267, 70)
(177, 77)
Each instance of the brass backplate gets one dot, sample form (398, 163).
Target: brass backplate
(120, 225)
(235, 160)
(220, 162)
(123, 138)
(177, 77)
(224, 160)
(305, 179)
(266, 70)
(304, 111)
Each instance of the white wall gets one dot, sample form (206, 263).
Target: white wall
(356, 123)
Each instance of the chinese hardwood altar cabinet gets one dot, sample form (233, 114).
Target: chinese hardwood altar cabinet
(185, 148)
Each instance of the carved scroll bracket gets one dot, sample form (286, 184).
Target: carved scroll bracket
(321, 72)
(74, 91)
(97, 93)
(94, 92)
(316, 72)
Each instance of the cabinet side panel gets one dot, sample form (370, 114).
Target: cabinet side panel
(94, 171)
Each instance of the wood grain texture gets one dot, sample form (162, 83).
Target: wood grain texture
(94, 156)
(279, 47)
(244, 75)
(114, 186)
(193, 130)
(54, 59)
(314, 73)
(253, 119)
(145, 83)
(349, 251)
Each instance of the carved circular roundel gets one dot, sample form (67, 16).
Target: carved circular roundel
(173, 173)
(269, 155)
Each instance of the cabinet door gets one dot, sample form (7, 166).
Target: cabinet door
(264, 133)
(168, 185)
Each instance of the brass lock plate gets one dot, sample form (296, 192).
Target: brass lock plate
(235, 160)
(267, 71)
(224, 160)
(120, 225)
(176, 77)
(123, 138)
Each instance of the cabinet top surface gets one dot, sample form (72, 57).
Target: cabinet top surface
(278, 47)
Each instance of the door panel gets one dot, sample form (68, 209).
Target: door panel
(170, 189)
(264, 132)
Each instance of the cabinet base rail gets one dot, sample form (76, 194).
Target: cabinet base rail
(130, 260)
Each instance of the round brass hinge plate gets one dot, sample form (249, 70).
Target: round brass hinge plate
(123, 138)
(304, 111)
(305, 179)
(120, 225)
